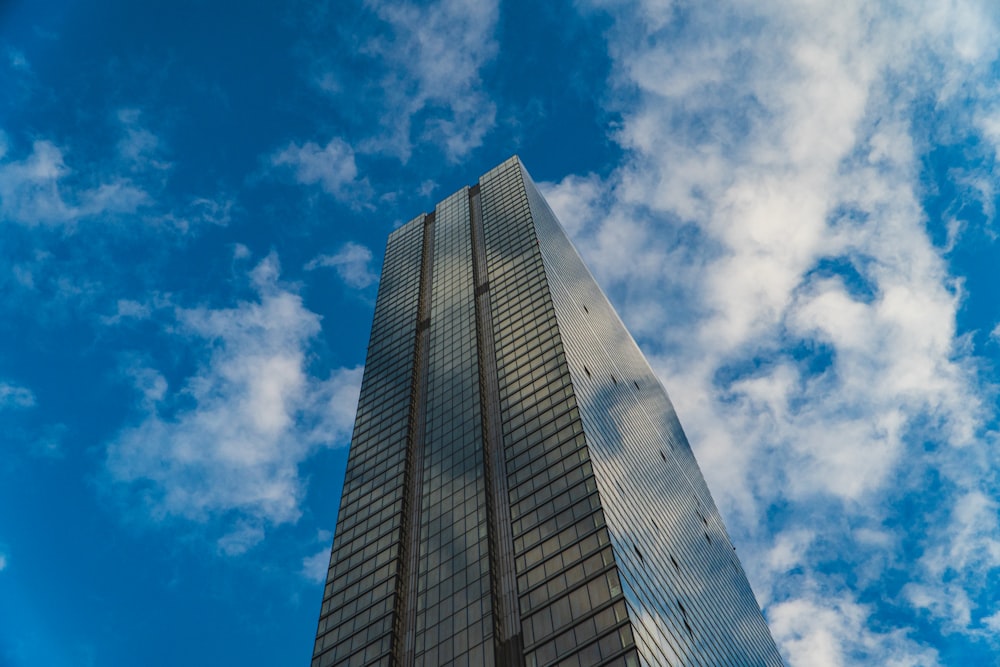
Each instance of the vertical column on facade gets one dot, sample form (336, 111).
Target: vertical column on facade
(407, 599)
(507, 618)
(360, 611)
(454, 616)
(569, 593)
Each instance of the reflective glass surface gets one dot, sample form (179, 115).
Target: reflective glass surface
(570, 596)
(453, 609)
(686, 593)
(519, 490)
(358, 612)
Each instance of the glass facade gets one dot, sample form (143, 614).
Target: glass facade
(519, 490)
(453, 619)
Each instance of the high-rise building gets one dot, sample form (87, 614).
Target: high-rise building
(519, 490)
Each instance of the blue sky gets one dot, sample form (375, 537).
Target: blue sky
(793, 206)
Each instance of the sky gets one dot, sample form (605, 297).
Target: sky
(792, 204)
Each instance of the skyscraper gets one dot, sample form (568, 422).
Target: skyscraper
(519, 490)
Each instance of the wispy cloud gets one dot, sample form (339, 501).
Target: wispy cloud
(127, 309)
(422, 87)
(829, 630)
(423, 69)
(435, 57)
(243, 537)
(332, 167)
(139, 147)
(15, 396)
(314, 568)
(57, 186)
(34, 189)
(226, 445)
(352, 263)
(765, 237)
(188, 215)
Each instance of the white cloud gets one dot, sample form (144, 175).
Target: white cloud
(197, 211)
(53, 185)
(33, 191)
(578, 200)
(434, 58)
(241, 539)
(127, 309)
(240, 251)
(15, 396)
(139, 147)
(351, 263)
(217, 211)
(334, 403)
(331, 166)
(764, 236)
(314, 568)
(149, 383)
(992, 622)
(423, 84)
(228, 442)
(963, 550)
(831, 631)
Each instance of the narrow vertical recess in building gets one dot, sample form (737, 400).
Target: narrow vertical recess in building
(407, 598)
(503, 579)
(454, 614)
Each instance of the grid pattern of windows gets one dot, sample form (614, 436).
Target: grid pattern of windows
(532, 502)
(357, 616)
(570, 596)
(685, 590)
(454, 623)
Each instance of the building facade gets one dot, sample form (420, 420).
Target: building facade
(519, 490)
